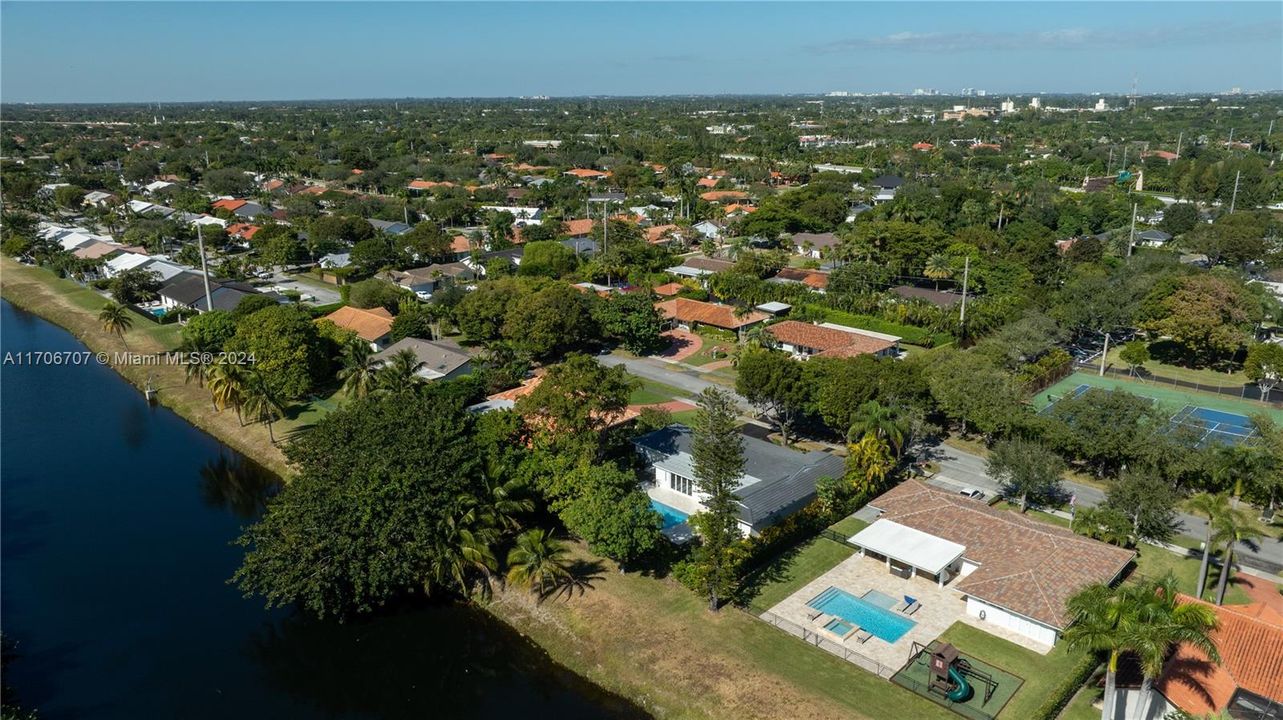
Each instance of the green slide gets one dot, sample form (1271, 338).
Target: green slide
(963, 691)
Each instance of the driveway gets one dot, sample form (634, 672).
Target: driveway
(959, 469)
(669, 374)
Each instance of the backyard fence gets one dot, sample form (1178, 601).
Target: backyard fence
(1242, 391)
(810, 637)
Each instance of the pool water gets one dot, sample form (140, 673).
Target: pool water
(881, 599)
(671, 515)
(883, 623)
(158, 312)
(838, 626)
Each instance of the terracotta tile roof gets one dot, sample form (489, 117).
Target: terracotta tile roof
(587, 173)
(659, 233)
(429, 184)
(737, 207)
(1026, 566)
(370, 324)
(819, 281)
(669, 289)
(923, 146)
(720, 195)
(460, 244)
(826, 341)
(243, 230)
(986, 146)
(271, 185)
(1250, 642)
(722, 316)
(312, 190)
(1161, 154)
(576, 228)
(707, 182)
(228, 204)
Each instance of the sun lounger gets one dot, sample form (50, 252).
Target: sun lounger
(913, 607)
(900, 606)
(855, 630)
(814, 614)
(862, 636)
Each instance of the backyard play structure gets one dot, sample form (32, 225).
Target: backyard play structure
(951, 675)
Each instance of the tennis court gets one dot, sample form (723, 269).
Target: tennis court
(1219, 425)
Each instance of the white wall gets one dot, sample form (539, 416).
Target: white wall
(1010, 621)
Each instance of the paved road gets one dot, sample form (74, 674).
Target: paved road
(960, 469)
(669, 374)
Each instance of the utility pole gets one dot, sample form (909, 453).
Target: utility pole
(204, 269)
(1234, 197)
(1110, 165)
(1261, 148)
(962, 314)
(1231, 140)
(1103, 354)
(1131, 239)
(1179, 138)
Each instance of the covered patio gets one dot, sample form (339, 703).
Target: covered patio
(908, 551)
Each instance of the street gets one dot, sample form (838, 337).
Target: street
(670, 374)
(959, 469)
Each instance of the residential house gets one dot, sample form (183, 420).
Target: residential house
(426, 280)
(436, 360)
(668, 289)
(804, 340)
(776, 483)
(709, 229)
(586, 174)
(1013, 572)
(388, 227)
(699, 266)
(690, 314)
(336, 261)
(1248, 680)
(814, 279)
(814, 245)
(724, 196)
(935, 297)
(372, 326)
(99, 199)
(1153, 238)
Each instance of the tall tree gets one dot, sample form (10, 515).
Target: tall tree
(1026, 470)
(1264, 366)
(1239, 525)
(773, 382)
(1211, 507)
(718, 452)
(359, 370)
(116, 320)
(881, 421)
(260, 401)
(1148, 501)
(537, 562)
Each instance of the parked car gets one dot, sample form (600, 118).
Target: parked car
(972, 493)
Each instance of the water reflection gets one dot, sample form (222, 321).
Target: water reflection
(237, 484)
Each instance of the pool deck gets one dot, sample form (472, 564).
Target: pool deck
(941, 608)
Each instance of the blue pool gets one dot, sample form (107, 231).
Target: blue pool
(838, 626)
(671, 515)
(883, 623)
(158, 312)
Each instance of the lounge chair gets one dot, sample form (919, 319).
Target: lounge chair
(900, 606)
(912, 608)
(855, 630)
(814, 614)
(862, 636)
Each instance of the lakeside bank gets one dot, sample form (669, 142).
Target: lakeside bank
(646, 639)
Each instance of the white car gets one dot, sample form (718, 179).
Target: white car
(972, 493)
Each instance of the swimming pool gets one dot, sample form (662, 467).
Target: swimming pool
(883, 623)
(158, 312)
(839, 627)
(671, 515)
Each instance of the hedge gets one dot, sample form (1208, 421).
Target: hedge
(1065, 691)
(910, 334)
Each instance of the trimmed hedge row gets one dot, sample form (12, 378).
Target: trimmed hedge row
(911, 335)
(1065, 691)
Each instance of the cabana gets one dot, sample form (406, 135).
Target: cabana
(908, 551)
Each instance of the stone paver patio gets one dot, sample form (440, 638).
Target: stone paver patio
(940, 608)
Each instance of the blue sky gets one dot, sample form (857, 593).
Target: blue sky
(192, 51)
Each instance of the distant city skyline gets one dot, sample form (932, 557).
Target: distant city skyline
(196, 51)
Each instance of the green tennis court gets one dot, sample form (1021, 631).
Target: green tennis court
(1172, 400)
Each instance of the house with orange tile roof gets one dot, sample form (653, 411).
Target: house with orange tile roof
(923, 146)
(804, 340)
(1248, 682)
(659, 234)
(707, 182)
(587, 174)
(460, 246)
(578, 228)
(231, 205)
(244, 231)
(668, 289)
(371, 325)
(1013, 573)
(690, 314)
(720, 196)
(425, 185)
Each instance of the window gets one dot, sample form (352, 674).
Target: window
(681, 484)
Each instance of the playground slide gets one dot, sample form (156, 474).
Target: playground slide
(962, 691)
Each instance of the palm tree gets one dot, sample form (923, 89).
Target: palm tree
(398, 375)
(881, 421)
(868, 463)
(462, 555)
(359, 368)
(538, 561)
(939, 267)
(1239, 525)
(496, 503)
(1211, 507)
(1144, 618)
(1165, 623)
(260, 401)
(196, 361)
(116, 319)
(227, 386)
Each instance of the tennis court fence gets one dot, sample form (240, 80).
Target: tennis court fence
(1242, 391)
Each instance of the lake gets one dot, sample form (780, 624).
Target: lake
(115, 541)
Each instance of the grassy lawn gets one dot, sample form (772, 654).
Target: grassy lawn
(656, 642)
(724, 346)
(1041, 673)
(848, 526)
(1156, 562)
(1203, 376)
(685, 416)
(792, 569)
(1080, 707)
(649, 392)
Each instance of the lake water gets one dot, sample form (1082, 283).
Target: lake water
(117, 519)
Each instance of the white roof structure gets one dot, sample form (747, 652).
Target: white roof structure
(125, 261)
(909, 546)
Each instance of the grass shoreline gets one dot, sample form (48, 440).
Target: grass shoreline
(646, 639)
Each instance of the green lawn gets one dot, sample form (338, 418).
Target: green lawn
(848, 526)
(1155, 562)
(1080, 707)
(685, 416)
(1041, 673)
(649, 392)
(792, 569)
(1204, 376)
(723, 344)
